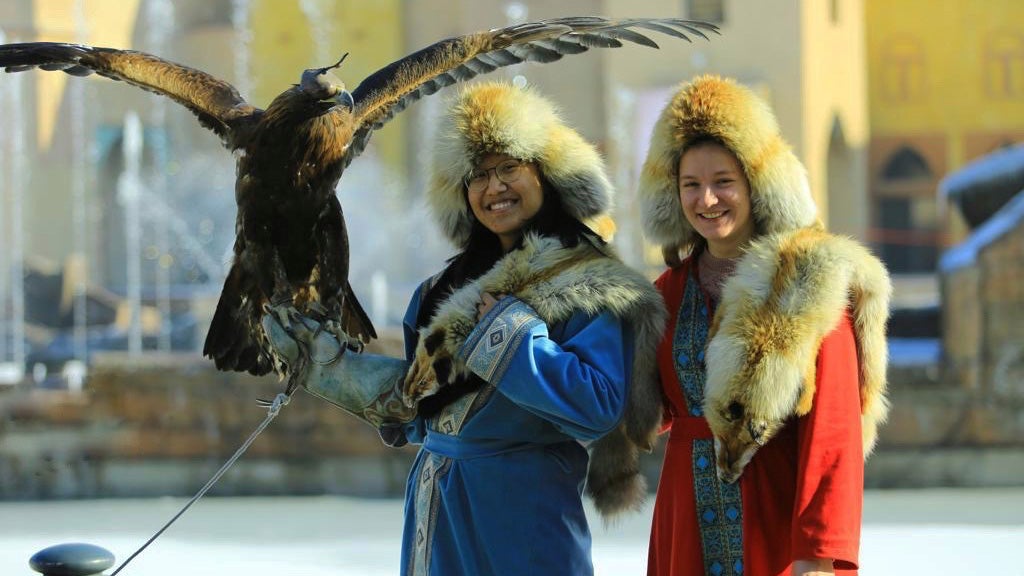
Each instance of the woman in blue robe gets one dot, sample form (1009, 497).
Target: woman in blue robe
(529, 359)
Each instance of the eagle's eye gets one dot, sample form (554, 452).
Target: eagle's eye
(320, 84)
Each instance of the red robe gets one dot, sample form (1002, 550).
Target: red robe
(801, 494)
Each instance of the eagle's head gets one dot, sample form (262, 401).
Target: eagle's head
(323, 86)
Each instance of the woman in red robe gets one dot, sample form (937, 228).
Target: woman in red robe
(773, 361)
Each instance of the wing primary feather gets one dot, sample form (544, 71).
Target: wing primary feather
(479, 66)
(664, 29)
(632, 36)
(579, 21)
(429, 87)
(79, 71)
(501, 57)
(528, 32)
(534, 53)
(442, 80)
(562, 45)
(593, 40)
(462, 73)
(695, 27)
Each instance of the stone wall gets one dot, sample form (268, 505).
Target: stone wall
(163, 425)
(983, 340)
(961, 423)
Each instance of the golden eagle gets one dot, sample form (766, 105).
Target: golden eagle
(291, 248)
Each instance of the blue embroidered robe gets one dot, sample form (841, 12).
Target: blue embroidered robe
(497, 485)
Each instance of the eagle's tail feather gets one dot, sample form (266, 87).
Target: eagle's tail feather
(228, 341)
(354, 319)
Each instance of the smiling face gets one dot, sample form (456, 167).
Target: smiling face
(715, 195)
(511, 196)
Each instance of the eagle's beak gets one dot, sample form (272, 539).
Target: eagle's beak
(344, 98)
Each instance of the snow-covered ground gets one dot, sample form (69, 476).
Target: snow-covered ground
(933, 532)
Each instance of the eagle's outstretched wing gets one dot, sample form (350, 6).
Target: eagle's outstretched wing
(216, 103)
(389, 90)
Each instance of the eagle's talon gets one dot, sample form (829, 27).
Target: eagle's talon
(317, 310)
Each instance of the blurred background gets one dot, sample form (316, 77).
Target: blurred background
(117, 218)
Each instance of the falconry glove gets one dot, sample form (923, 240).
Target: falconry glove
(365, 385)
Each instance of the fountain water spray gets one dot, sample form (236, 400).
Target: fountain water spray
(159, 25)
(80, 145)
(128, 186)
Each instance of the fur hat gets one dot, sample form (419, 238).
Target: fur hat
(499, 118)
(722, 109)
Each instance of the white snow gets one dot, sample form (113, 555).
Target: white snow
(935, 532)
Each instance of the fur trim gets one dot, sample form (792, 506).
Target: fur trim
(500, 118)
(557, 282)
(789, 291)
(720, 108)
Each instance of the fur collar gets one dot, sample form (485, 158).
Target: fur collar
(557, 282)
(789, 291)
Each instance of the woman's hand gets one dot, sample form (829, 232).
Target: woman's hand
(487, 301)
(813, 567)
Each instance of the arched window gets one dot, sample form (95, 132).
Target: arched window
(906, 165)
(1004, 65)
(903, 70)
(906, 219)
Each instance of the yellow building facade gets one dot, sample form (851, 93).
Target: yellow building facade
(806, 58)
(946, 85)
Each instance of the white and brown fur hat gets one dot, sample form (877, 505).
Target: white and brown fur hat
(723, 110)
(499, 118)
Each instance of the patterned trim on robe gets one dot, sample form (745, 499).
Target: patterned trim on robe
(689, 344)
(490, 351)
(427, 501)
(450, 419)
(720, 514)
(719, 506)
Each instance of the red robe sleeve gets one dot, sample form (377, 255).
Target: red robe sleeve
(830, 478)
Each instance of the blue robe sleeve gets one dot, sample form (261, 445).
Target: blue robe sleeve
(415, 430)
(578, 381)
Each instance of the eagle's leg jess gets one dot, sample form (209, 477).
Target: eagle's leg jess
(282, 306)
(334, 327)
(332, 280)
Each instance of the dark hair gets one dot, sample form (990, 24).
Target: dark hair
(483, 248)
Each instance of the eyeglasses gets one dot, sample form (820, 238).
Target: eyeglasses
(507, 172)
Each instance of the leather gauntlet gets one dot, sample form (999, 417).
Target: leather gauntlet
(365, 385)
